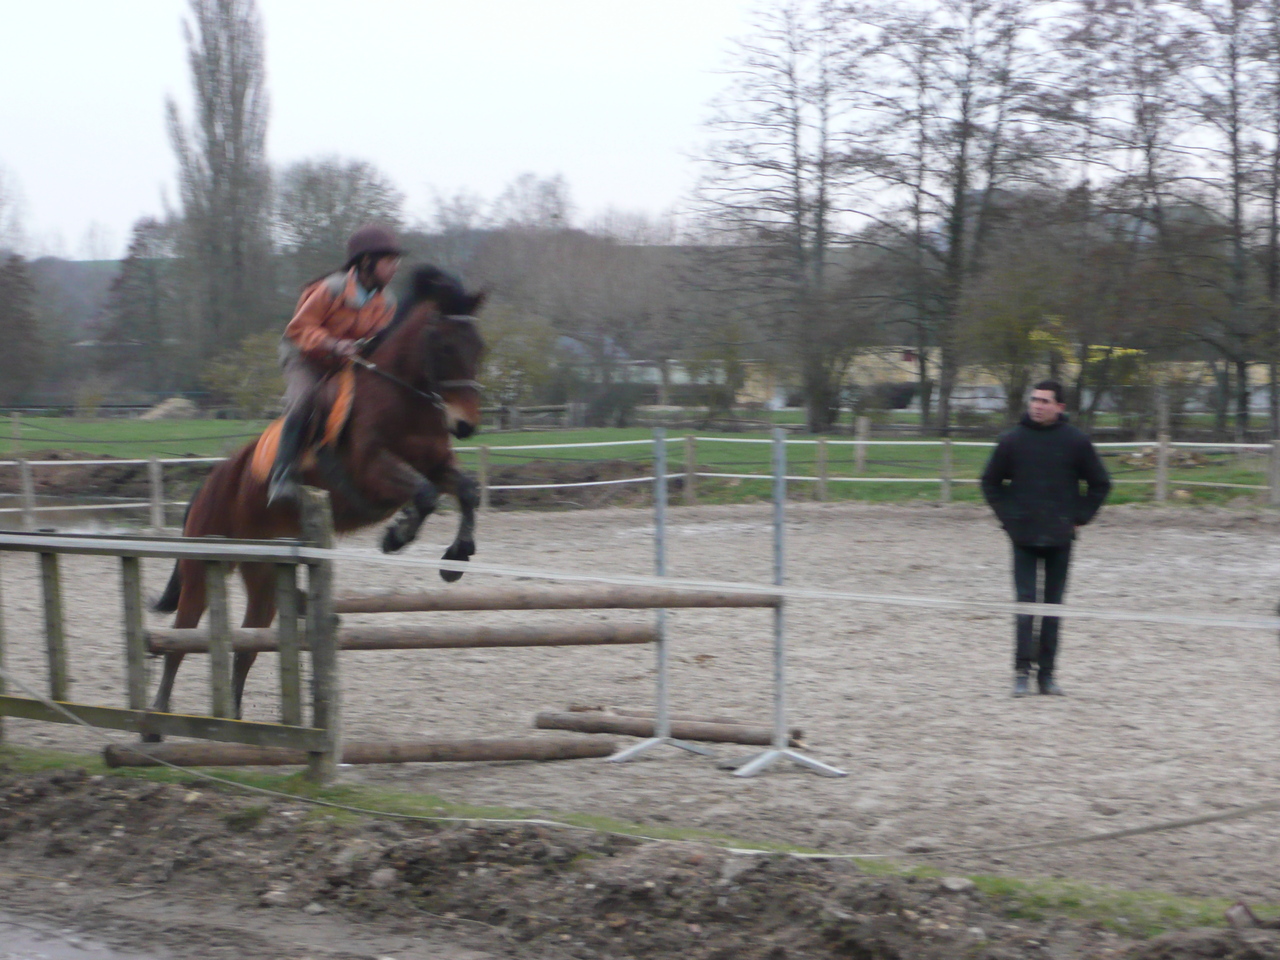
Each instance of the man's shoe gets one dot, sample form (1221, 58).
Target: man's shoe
(1021, 685)
(1050, 688)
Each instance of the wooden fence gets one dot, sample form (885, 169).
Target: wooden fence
(319, 740)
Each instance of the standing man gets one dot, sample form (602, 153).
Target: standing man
(1032, 482)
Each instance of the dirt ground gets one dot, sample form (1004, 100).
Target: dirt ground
(1161, 722)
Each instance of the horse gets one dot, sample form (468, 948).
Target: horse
(413, 387)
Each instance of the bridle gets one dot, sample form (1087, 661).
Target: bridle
(431, 396)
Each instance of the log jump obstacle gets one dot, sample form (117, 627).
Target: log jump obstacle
(324, 638)
(318, 744)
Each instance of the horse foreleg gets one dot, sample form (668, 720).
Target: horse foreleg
(260, 590)
(467, 493)
(191, 603)
(405, 527)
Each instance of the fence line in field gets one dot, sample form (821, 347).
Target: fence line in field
(692, 472)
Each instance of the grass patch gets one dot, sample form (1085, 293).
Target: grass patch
(1135, 913)
(879, 479)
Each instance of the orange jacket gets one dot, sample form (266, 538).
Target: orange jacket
(327, 313)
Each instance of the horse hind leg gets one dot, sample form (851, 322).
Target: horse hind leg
(467, 492)
(191, 604)
(405, 527)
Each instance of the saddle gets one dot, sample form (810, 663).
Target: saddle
(333, 410)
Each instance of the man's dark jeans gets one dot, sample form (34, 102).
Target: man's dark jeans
(1026, 561)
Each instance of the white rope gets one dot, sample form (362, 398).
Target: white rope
(805, 593)
(498, 448)
(558, 486)
(88, 506)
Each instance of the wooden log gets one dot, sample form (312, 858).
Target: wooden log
(512, 597)
(262, 640)
(644, 727)
(797, 734)
(414, 751)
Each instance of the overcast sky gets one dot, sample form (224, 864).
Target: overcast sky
(445, 95)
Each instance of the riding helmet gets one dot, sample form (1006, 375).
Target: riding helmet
(372, 239)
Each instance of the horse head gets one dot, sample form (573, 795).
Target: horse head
(445, 361)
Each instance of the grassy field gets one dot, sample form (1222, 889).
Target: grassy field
(896, 461)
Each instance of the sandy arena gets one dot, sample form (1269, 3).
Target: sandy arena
(1161, 722)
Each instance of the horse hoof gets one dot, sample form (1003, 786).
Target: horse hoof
(450, 576)
(152, 738)
(390, 541)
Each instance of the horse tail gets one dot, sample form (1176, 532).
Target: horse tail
(168, 601)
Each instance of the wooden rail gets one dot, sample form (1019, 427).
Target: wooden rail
(264, 640)
(505, 597)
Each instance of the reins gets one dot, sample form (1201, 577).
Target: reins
(431, 396)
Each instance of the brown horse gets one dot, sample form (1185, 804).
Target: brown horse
(415, 387)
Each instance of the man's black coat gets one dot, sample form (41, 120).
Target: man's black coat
(1041, 504)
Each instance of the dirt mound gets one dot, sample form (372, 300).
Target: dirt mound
(532, 889)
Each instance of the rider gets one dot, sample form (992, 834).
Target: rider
(334, 314)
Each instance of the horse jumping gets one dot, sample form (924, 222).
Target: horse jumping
(415, 388)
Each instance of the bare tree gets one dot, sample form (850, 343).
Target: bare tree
(778, 177)
(11, 232)
(530, 202)
(224, 181)
(958, 131)
(319, 203)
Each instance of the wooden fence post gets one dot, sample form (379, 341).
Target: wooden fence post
(863, 434)
(1162, 468)
(690, 470)
(944, 493)
(54, 636)
(1, 650)
(155, 481)
(483, 470)
(287, 631)
(28, 494)
(215, 577)
(1274, 479)
(326, 707)
(135, 642)
(821, 467)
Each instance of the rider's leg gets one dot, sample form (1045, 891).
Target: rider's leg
(301, 379)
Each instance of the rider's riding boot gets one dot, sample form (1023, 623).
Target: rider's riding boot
(283, 484)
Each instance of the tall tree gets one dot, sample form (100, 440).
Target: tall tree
(20, 360)
(224, 181)
(778, 178)
(959, 129)
(143, 326)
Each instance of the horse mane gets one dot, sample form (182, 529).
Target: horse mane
(429, 283)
